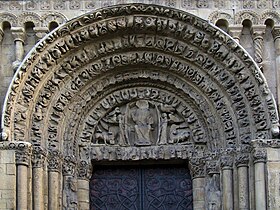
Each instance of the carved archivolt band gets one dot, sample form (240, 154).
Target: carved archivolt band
(99, 64)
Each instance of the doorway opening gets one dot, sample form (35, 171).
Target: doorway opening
(152, 187)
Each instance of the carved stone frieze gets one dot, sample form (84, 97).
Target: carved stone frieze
(163, 152)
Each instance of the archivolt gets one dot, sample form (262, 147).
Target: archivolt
(91, 57)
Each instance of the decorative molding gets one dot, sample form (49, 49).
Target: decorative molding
(246, 15)
(217, 15)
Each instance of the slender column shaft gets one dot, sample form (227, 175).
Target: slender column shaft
(19, 37)
(227, 189)
(260, 195)
(54, 180)
(260, 156)
(38, 163)
(243, 187)
(258, 33)
(199, 193)
(23, 151)
(54, 190)
(22, 188)
(276, 35)
(38, 192)
(83, 194)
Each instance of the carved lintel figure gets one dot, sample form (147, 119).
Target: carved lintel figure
(143, 120)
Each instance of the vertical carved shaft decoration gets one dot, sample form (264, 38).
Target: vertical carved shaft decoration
(69, 183)
(19, 37)
(197, 169)
(235, 32)
(259, 155)
(227, 179)
(241, 162)
(54, 188)
(38, 163)
(258, 33)
(276, 36)
(23, 152)
(1, 35)
(84, 173)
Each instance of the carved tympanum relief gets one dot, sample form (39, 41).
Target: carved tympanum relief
(142, 123)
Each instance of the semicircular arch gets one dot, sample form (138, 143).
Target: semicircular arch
(80, 68)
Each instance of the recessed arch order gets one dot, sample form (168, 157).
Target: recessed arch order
(74, 86)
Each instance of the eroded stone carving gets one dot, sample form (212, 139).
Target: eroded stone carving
(142, 123)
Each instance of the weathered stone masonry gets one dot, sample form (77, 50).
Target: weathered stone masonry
(82, 94)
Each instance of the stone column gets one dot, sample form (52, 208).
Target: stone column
(242, 160)
(84, 174)
(235, 32)
(54, 181)
(23, 153)
(38, 163)
(258, 33)
(19, 37)
(227, 181)
(40, 32)
(70, 188)
(197, 169)
(276, 36)
(259, 155)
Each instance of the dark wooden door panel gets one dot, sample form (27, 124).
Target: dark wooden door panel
(141, 188)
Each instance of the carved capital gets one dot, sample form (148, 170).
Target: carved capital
(258, 32)
(226, 162)
(276, 33)
(276, 36)
(40, 32)
(23, 153)
(197, 167)
(54, 161)
(38, 157)
(235, 31)
(212, 167)
(69, 166)
(84, 170)
(242, 159)
(259, 151)
(18, 34)
(259, 155)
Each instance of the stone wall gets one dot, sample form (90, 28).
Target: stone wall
(7, 179)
